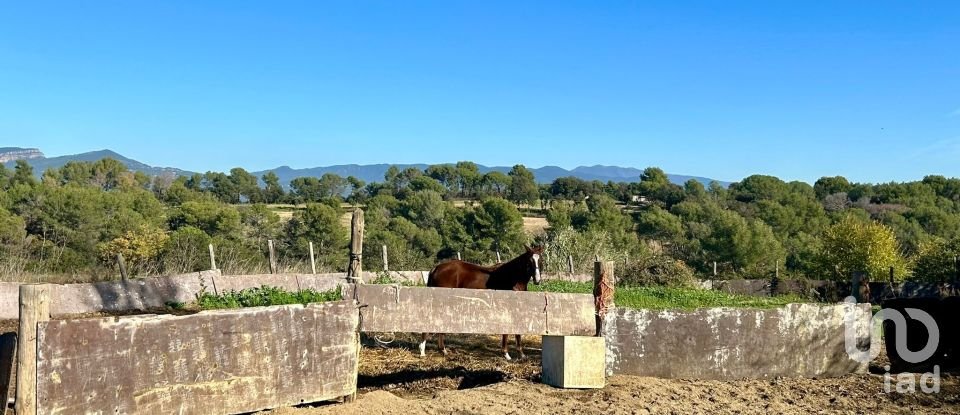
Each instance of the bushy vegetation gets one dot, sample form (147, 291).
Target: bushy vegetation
(262, 296)
(661, 297)
(74, 221)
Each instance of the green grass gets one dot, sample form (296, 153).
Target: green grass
(263, 296)
(671, 298)
(385, 279)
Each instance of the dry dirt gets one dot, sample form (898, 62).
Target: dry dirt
(475, 379)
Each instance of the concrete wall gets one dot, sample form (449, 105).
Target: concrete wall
(831, 290)
(216, 362)
(798, 340)
(154, 292)
(393, 308)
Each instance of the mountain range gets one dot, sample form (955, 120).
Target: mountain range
(367, 172)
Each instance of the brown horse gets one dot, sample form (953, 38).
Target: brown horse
(512, 275)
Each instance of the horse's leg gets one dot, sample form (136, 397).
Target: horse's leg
(443, 349)
(520, 347)
(503, 346)
(423, 345)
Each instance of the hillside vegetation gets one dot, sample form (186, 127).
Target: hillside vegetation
(71, 224)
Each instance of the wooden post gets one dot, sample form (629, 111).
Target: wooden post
(860, 287)
(313, 262)
(355, 266)
(570, 264)
(714, 269)
(602, 291)
(213, 257)
(34, 308)
(891, 278)
(386, 263)
(123, 267)
(273, 257)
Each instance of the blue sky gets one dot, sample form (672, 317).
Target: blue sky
(869, 89)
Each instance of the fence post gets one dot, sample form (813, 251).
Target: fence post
(570, 264)
(386, 264)
(714, 269)
(777, 270)
(123, 267)
(860, 287)
(313, 262)
(34, 308)
(355, 266)
(273, 257)
(213, 258)
(603, 290)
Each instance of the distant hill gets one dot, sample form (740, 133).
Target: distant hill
(12, 154)
(41, 163)
(367, 172)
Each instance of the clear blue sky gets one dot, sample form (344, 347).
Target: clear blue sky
(802, 89)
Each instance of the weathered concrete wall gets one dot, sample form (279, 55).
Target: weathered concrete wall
(393, 308)
(154, 293)
(831, 290)
(798, 340)
(133, 294)
(217, 362)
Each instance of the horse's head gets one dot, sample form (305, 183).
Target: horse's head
(533, 266)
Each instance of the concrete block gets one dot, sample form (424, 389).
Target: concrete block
(574, 362)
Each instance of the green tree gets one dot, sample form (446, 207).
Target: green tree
(446, 174)
(496, 183)
(246, 185)
(523, 186)
(468, 178)
(936, 261)
(497, 225)
(826, 186)
(273, 191)
(320, 224)
(259, 224)
(332, 186)
(23, 173)
(853, 245)
(214, 219)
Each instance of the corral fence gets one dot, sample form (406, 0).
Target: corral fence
(238, 361)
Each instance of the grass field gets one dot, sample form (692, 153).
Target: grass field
(671, 298)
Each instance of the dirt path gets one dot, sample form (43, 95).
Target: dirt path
(477, 380)
(859, 394)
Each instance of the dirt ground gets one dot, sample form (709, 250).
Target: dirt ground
(476, 379)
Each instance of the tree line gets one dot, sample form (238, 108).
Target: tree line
(74, 220)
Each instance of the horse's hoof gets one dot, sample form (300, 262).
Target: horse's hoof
(507, 355)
